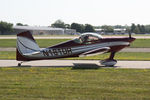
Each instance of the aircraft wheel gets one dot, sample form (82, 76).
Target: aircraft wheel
(19, 64)
(108, 63)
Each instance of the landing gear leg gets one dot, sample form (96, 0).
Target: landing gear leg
(110, 61)
(112, 56)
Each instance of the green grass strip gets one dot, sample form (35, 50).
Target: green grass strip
(67, 84)
(138, 43)
(41, 42)
(141, 43)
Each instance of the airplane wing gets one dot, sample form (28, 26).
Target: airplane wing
(96, 51)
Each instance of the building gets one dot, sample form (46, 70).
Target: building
(99, 30)
(43, 30)
(120, 30)
(115, 31)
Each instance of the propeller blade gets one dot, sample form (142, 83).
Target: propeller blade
(130, 34)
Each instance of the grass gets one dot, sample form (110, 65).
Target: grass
(67, 84)
(139, 43)
(119, 56)
(41, 42)
(7, 55)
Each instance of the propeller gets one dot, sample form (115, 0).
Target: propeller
(130, 34)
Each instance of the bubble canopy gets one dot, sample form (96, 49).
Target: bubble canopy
(87, 38)
(92, 35)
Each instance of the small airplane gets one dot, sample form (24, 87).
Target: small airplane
(87, 44)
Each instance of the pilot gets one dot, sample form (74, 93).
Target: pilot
(85, 39)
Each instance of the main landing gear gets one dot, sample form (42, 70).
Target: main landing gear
(110, 62)
(19, 64)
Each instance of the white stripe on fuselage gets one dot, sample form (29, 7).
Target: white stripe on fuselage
(98, 45)
(80, 49)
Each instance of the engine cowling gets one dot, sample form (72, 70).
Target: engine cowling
(108, 62)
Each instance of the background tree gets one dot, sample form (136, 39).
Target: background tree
(128, 29)
(20, 24)
(58, 24)
(143, 29)
(118, 26)
(67, 26)
(107, 29)
(77, 27)
(89, 28)
(5, 27)
(147, 28)
(133, 28)
(138, 29)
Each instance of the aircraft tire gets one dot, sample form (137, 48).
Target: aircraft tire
(108, 63)
(19, 64)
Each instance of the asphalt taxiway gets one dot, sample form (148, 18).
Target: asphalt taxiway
(72, 63)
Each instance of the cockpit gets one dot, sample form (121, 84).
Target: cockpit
(88, 38)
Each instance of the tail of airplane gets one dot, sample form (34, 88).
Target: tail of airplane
(25, 44)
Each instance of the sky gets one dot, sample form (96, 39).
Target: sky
(94, 12)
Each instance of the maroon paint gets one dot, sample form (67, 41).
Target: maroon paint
(70, 44)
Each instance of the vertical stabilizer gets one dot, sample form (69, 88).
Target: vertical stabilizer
(25, 44)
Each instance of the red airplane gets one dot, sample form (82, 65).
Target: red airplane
(87, 44)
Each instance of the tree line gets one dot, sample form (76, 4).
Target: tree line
(81, 28)
(5, 27)
(140, 29)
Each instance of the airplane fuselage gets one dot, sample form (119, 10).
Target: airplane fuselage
(87, 44)
(72, 49)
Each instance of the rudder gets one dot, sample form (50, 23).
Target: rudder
(25, 44)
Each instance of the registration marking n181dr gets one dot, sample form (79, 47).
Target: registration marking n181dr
(56, 52)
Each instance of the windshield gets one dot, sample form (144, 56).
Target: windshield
(88, 38)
